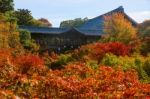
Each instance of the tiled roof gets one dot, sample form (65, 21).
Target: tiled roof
(97, 22)
(90, 32)
(47, 30)
(92, 27)
(44, 30)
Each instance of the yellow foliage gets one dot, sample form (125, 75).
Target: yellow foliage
(9, 37)
(119, 28)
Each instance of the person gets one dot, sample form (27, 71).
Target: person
(59, 49)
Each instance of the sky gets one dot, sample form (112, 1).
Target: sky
(59, 10)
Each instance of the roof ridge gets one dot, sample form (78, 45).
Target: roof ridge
(119, 9)
(40, 27)
(87, 29)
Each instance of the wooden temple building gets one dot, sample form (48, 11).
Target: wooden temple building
(61, 38)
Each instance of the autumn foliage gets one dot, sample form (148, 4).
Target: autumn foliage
(117, 27)
(107, 70)
(98, 50)
(25, 76)
(115, 48)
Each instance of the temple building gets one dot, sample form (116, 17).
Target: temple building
(61, 38)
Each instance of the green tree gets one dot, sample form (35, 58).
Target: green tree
(144, 29)
(73, 23)
(25, 36)
(144, 34)
(118, 28)
(24, 16)
(27, 42)
(6, 5)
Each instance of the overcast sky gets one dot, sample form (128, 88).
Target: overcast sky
(58, 10)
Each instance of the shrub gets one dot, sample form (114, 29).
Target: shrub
(146, 66)
(139, 67)
(27, 62)
(25, 77)
(62, 60)
(145, 49)
(27, 42)
(144, 34)
(78, 54)
(98, 50)
(110, 60)
(92, 64)
(125, 62)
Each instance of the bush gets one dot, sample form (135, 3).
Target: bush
(78, 54)
(27, 42)
(62, 60)
(92, 64)
(139, 67)
(97, 51)
(125, 62)
(27, 62)
(110, 60)
(147, 66)
(145, 49)
(138, 63)
(24, 76)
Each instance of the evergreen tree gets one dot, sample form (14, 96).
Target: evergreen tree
(6, 5)
(24, 16)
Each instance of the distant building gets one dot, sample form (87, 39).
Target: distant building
(61, 38)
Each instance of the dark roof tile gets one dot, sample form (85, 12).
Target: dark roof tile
(93, 27)
(44, 30)
(97, 22)
(90, 32)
